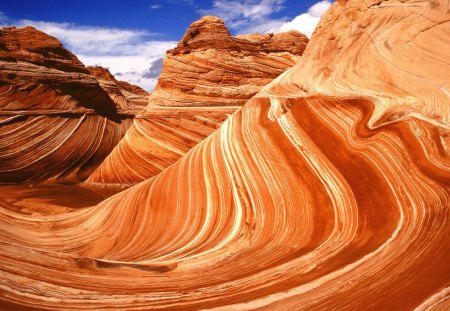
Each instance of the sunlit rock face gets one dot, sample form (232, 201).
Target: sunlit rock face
(204, 80)
(209, 67)
(329, 190)
(58, 119)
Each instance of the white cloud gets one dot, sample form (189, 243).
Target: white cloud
(156, 6)
(126, 53)
(132, 68)
(249, 15)
(92, 40)
(319, 8)
(255, 16)
(306, 22)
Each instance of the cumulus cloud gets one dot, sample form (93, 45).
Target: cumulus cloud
(249, 15)
(306, 22)
(92, 40)
(256, 16)
(131, 68)
(155, 69)
(126, 53)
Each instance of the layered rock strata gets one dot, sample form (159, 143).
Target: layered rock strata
(209, 67)
(328, 190)
(58, 119)
(204, 80)
(128, 98)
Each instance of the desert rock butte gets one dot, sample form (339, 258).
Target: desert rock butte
(327, 190)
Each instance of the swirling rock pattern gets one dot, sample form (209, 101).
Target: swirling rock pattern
(63, 147)
(156, 140)
(58, 119)
(204, 80)
(301, 200)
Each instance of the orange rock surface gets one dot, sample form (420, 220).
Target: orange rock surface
(329, 190)
(128, 98)
(204, 80)
(58, 119)
(209, 67)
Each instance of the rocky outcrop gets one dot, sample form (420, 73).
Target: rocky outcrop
(58, 119)
(328, 190)
(204, 79)
(128, 98)
(30, 45)
(209, 67)
(37, 73)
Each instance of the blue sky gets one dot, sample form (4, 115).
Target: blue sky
(131, 37)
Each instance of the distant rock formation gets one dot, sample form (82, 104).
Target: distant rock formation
(209, 67)
(204, 79)
(58, 119)
(127, 97)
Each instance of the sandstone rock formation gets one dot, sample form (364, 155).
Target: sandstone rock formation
(56, 119)
(204, 80)
(209, 67)
(128, 98)
(329, 190)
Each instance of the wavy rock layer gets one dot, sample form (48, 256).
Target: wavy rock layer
(156, 140)
(66, 148)
(300, 201)
(58, 119)
(204, 80)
